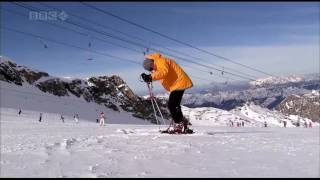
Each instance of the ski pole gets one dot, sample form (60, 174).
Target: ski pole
(154, 110)
(154, 99)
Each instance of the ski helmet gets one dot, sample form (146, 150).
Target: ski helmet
(148, 64)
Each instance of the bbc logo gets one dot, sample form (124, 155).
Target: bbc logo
(47, 15)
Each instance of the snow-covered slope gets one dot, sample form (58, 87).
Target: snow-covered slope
(55, 149)
(252, 115)
(259, 115)
(211, 117)
(32, 101)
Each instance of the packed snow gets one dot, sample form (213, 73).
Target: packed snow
(55, 149)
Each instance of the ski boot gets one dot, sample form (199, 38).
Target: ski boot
(177, 128)
(186, 129)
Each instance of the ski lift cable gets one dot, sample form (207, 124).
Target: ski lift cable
(95, 23)
(134, 43)
(84, 34)
(144, 46)
(173, 39)
(43, 43)
(75, 31)
(77, 47)
(92, 22)
(41, 39)
(70, 45)
(85, 27)
(105, 27)
(149, 43)
(124, 40)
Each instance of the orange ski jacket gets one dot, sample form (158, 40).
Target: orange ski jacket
(170, 74)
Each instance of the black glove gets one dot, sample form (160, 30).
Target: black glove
(146, 77)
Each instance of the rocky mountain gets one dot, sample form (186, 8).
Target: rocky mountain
(111, 91)
(11, 72)
(307, 105)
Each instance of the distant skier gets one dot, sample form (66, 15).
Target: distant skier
(76, 118)
(310, 124)
(242, 123)
(19, 112)
(229, 124)
(40, 118)
(102, 119)
(173, 79)
(285, 124)
(305, 124)
(265, 124)
(62, 118)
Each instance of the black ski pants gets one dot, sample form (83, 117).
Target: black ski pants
(175, 98)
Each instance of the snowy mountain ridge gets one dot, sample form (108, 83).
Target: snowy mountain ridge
(112, 91)
(269, 97)
(262, 82)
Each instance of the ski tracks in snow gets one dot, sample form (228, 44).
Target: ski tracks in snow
(136, 149)
(81, 157)
(139, 151)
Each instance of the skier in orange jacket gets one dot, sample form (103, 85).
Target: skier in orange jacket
(173, 79)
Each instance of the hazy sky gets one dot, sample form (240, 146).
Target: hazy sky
(278, 38)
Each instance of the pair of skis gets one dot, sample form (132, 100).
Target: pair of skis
(187, 131)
